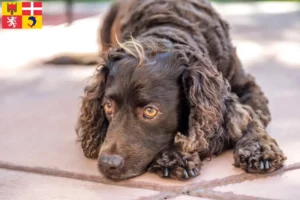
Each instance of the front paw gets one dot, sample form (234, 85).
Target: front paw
(259, 156)
(172, 164)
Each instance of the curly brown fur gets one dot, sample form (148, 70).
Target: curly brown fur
(181, 62)
(92, 124)
(256, 151)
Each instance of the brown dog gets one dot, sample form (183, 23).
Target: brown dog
(170, 92)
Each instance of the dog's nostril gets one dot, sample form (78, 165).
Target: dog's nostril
(111, 161)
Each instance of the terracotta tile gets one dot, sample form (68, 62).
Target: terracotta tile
(286, 132)
(37, 119)
(284, 186)
(27, 186)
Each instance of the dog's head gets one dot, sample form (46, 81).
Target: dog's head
(141, 97)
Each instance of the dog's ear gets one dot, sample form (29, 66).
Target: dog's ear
(202, 85)
(92, 123)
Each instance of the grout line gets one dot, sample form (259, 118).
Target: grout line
(239, 178)
(84, 177)
(160, 196)
(163, 194)
(184, 189)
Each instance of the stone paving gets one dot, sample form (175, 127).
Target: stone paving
(39, 156)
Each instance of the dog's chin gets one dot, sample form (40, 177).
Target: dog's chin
(120, 175)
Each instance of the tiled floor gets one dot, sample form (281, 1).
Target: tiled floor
(40, 159)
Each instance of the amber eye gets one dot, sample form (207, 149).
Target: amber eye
(108, 108)
(150, 112)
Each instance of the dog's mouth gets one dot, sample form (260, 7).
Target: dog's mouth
(119, 175)
(123, 173)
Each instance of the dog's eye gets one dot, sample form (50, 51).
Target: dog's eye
(108, 108)
(150, 112)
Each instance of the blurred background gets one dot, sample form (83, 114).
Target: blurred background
(252, 19)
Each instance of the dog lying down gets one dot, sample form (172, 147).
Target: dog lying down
(169, 92)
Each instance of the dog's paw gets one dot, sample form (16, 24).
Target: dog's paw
(260, 156)
(172, 164)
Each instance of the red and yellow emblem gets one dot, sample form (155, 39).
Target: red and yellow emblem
(22, 15)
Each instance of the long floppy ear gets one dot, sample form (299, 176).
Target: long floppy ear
(92, 123)
(203, 89)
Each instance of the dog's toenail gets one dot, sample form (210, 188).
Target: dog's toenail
(185, 161)
(242, 159)
(250, 164)
(192, 173)
(166, 172)
(267, 164)
(196, 170)
(185, 174)
(261, 166)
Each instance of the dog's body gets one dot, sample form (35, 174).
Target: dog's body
(172, 96)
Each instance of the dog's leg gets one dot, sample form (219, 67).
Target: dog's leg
(249, 92)
(255, 150)
(176, 164)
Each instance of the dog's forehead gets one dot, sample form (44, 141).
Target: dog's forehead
(148, 81)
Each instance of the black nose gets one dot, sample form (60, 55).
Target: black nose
(111, 162)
